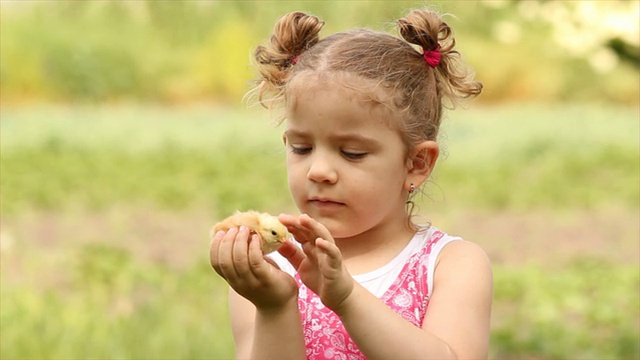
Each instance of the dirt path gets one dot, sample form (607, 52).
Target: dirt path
(179, 238)
(545, 238)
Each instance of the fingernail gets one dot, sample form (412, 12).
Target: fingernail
(242, 228)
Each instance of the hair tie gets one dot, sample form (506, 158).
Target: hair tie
(432, 57)
(295, 60)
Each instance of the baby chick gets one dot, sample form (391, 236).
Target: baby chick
(270, 230)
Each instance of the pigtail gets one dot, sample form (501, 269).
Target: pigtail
(293, 34)
(426, 29)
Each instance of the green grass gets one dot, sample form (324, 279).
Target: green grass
(588, 309)
(519, 157)
(173, 159)
(105, 304)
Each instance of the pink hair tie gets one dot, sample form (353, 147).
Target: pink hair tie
(432, 57)
(295, 60)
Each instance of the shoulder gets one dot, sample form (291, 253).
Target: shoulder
(464, 253)
(462, 261)
(467, 250)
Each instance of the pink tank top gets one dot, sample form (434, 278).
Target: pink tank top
(324, 334)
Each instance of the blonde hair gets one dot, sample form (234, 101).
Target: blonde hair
(416, 91)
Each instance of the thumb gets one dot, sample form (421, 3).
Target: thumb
(292, 253)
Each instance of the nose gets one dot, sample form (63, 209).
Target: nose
(322, 169)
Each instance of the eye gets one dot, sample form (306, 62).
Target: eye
(353, 155)
(300, 150)
(274, 233)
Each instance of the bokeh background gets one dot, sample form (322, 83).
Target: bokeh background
(124, 138)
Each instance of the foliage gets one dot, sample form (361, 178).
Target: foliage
(178, 51)
(586, 310)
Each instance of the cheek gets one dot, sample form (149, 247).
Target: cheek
(386, 189)
(295, 177)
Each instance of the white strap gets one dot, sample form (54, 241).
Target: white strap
(433, 256)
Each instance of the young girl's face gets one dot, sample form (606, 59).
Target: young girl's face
(346, 167)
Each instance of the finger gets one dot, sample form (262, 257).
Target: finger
(213, 251)
(287, 219)
(257, 265)
(310, 251)
(225, 254)
(315, 227)
(239, 253)
(299, 232)
(292, 253)
(332, 260)
(270, 261)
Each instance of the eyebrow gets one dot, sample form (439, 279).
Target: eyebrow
(295, 133)
(339, 137)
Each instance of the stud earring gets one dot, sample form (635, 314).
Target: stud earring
(412, 189)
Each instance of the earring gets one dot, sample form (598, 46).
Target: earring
(409, 202)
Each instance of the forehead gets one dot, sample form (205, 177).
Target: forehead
(340, 98)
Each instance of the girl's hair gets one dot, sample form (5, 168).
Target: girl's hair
(416, 91)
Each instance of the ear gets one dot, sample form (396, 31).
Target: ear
(420, 163)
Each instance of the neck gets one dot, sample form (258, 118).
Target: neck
(374, 248)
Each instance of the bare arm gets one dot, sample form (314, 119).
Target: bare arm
(456, 325)
(280, 332)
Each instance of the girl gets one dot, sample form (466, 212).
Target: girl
(362, 113)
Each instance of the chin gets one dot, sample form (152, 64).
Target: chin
(339, 228)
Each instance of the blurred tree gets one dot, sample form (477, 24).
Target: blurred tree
(179, 22)
(195, 50)
(625, 51)
(601, 31)
(116, 13)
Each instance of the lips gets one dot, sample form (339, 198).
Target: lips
(324, 202)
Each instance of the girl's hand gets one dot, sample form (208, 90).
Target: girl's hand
(321, 266)
(238, 259)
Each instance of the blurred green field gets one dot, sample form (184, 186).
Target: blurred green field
(112, 306)
(106, 209)
(521, 156)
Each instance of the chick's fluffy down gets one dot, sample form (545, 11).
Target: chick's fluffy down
(271, 232)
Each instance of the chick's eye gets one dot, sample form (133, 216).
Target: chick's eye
(274, 233)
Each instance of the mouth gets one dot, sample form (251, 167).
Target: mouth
(324, 202)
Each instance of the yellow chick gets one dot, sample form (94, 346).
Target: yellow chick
(272, 233)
